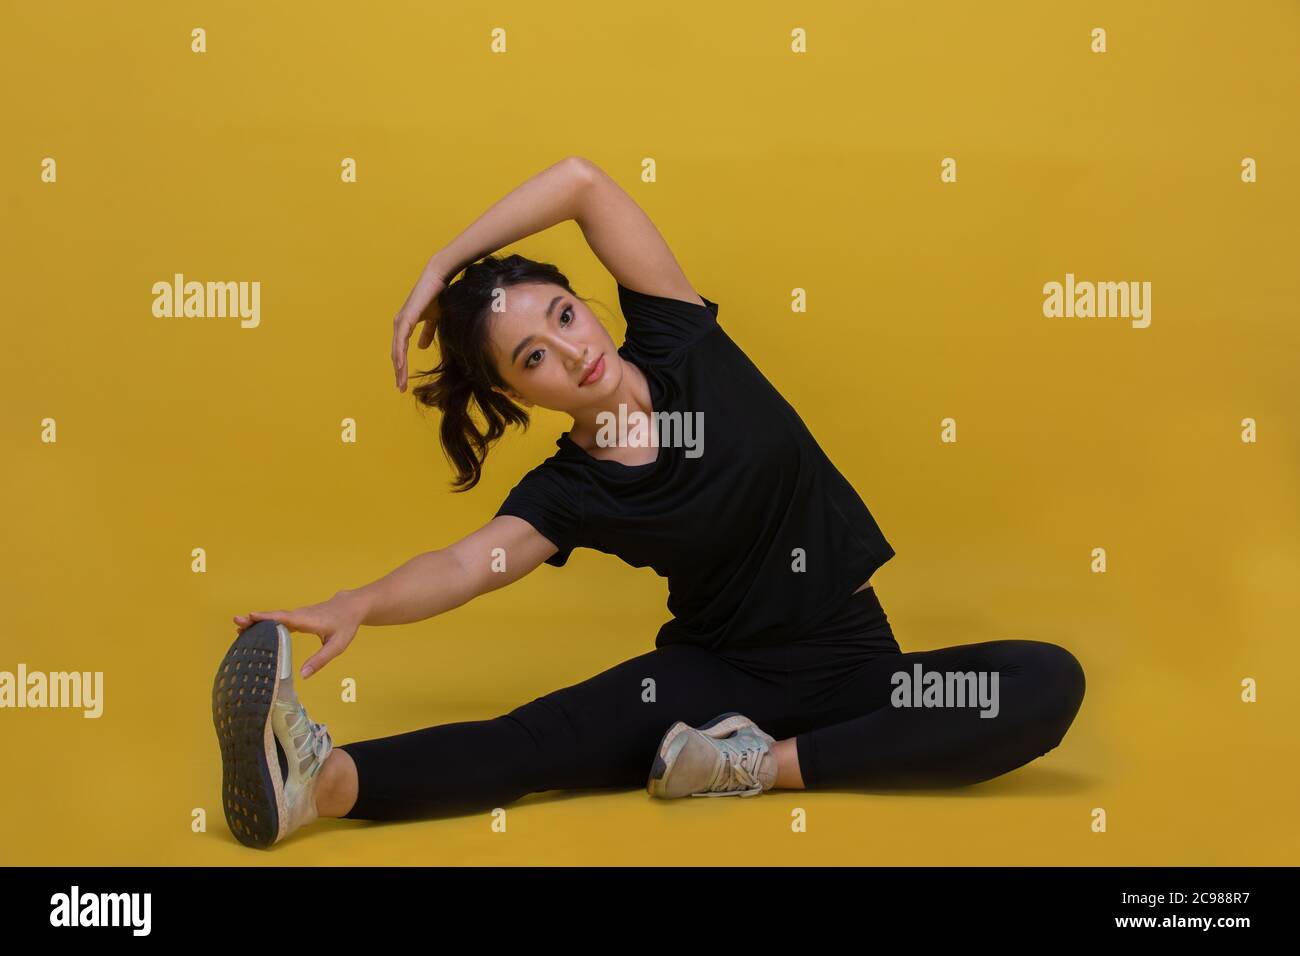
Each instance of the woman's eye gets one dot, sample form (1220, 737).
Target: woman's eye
(568, 310)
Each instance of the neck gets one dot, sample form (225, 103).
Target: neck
(633, 392)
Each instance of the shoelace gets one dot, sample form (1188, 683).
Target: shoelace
(319, 743)
(738, 775)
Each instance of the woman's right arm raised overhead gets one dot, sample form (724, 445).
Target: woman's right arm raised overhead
(423, 587)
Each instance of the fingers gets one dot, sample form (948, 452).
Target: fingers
(320, 659)
(401, 336)
(245, 621)
(426, 335)
(280, 617)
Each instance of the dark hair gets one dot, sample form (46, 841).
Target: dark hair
(466, 371)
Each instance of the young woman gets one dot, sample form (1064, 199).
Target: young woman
(779, 667)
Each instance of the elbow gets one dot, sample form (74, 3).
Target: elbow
(582, 167)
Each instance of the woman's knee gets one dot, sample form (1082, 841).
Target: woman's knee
(1056, 682)
(1067, 674)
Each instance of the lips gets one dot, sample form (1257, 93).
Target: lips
(594, 371)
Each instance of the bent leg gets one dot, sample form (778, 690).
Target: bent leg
(602, 732)
(1040, 689)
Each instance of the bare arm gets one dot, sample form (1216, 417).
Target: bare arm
(542, 201)
(437, 581)
(618, 231)
(625, 240)
(422, 587)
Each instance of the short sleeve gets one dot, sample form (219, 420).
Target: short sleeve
(659, 327)
(550, 500)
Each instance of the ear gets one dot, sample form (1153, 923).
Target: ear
(513, 395)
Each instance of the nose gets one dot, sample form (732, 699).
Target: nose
(576, 356)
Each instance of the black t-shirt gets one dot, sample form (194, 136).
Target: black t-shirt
(723, 509)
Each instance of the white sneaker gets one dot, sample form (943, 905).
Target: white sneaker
(271, 751)
(727, 757)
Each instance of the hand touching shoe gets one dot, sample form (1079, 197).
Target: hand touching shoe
(334, 621)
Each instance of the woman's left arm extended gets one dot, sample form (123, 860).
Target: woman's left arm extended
(552, 196)
(627, 242)
(618, 231)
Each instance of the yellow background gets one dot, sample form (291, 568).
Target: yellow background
(775, 171)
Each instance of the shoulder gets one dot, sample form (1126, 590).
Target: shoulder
(659, 327)
(563, 471)
(550, 497)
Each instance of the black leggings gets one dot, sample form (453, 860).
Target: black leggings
(831, 692)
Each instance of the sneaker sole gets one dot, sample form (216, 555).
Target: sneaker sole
(674, 740)
(252, 793)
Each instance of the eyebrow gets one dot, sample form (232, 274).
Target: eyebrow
(523, 344)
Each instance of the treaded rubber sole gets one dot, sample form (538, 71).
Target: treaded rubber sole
(246, 683)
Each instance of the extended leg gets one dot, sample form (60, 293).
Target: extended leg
(602, 732)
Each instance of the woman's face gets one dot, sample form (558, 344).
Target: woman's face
(544, 342)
